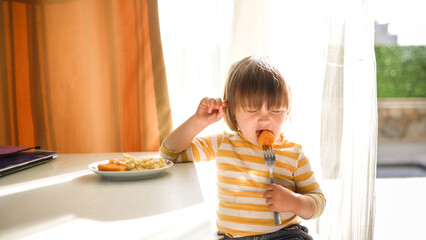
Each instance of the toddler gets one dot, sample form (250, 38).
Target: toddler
(256, 98)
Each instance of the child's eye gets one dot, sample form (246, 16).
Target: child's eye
(276, 110)
(251, 111)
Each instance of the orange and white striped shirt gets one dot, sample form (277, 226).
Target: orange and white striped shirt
(242, 177)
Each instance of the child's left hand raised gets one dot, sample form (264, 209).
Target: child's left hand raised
(280, 199)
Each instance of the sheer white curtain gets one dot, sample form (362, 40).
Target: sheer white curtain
(349, 122)
(195, 36)
(326, 51)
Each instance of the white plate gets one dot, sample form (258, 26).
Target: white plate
(128, 175)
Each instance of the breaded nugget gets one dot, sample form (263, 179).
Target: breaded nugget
(266, 138)
(111, 167)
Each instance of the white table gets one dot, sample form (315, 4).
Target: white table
(62, 199)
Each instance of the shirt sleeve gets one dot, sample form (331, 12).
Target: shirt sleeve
(307, 185)
(200, 149)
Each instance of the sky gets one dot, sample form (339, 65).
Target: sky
(406, 18)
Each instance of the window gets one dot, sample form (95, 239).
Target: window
(400, 47)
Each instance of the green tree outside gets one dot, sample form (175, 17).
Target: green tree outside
(401, 71)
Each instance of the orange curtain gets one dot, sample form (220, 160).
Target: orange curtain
(82, 76)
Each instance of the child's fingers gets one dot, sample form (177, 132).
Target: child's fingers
(267, 194)
(208, 103)
(214, 104)
(205, 102)
(217, 103)
(222, 108)
(221, 111)
(269, 202)
(224, 103)
(269, 190)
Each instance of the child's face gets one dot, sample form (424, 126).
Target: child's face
(252, 121)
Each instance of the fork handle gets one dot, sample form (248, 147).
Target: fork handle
(277, 218)
(271, 176)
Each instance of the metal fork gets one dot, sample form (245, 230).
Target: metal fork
(269, 154)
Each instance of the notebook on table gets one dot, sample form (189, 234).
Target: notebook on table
(13, 158)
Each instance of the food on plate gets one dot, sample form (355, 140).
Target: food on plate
(111, 167)
(266, 138)
(130, 163)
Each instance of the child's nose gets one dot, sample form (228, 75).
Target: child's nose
(264, 118)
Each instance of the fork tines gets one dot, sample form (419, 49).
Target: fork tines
(269, 155)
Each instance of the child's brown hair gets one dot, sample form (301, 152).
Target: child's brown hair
(252, 82)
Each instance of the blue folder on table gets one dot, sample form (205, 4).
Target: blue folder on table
(13, 158)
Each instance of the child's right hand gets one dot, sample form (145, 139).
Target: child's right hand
(210, 110)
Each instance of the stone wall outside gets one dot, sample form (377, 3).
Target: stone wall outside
(402, 119)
